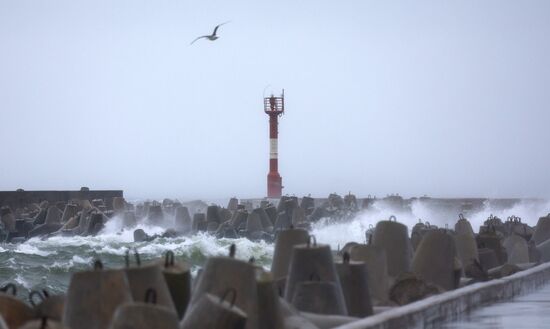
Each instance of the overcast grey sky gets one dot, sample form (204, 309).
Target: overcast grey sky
(445, 98)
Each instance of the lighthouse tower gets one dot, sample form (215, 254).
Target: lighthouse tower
(274, 107)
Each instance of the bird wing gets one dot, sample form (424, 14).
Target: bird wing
(217, 26)
(204, 36)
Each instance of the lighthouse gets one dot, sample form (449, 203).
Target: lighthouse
(274, 107)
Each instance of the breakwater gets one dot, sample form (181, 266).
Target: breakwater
(50, 261)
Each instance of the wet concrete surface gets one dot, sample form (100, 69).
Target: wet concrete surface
(526, 312)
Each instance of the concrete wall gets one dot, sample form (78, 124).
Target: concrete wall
(429, 312)
(16, 199)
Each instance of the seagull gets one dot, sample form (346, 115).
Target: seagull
(211, 37)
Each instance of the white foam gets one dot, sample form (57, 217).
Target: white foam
(529, 211)
(22, 281)
(64, 266)
(29, 249)
(81, 260)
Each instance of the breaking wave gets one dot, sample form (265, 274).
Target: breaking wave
(38, 264)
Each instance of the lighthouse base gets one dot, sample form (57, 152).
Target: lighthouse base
(274, 185)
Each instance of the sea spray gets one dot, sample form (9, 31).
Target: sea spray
(337, 234)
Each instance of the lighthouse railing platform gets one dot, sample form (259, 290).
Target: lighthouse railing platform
(274, 105)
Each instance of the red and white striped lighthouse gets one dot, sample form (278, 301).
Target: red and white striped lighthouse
(274, 107)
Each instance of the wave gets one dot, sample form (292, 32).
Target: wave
(49, 263)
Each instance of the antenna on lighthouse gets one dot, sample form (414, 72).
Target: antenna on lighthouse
(274, 107)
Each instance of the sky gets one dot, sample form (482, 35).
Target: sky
(438, 98)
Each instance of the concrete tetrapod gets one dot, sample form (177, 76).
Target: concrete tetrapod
(8, 219)
(3, 324)
(232, 204)
(408, 288)
(44, 229)
(178, 280)
(69, 212)
(155, 214)
(253, 223)
(144, 315)
(238, 220)
(544, 250)
(434, 260)
(354, 281)
(213, 214)
(514, 225)
(129, 219)
(488, 258)
(293, 319)
(14, 311)
(465, 243)
(313, 260)
(199, 222)
(142, 278)
(282, 203)
(83, 221)
(269, 313)
(271, 212)
(393, 238)
(289, 206)
(282, 222)
(93, 297)
(307, 204)
(213, 312)
(40, 218)
(267, 225)
(69, 228)
(284, 244)
(377, 270)
(318, 213)
(52, 223)
(226, 230)
(119, 204)
(212, 227)
(320, 297)
(298, 217)
(225, 214)
(516, 249)
(43, 323)
(542, 230)
(534, 253)
(51, 307)
(328, 321)
(490, 239)
(221, 274)
(95, 224)
(183, 221)
(417, 234)
(463, 226)
(347, 248)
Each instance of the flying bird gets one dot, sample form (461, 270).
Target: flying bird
(212, 36)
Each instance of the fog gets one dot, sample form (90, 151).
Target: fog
(444, 98)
